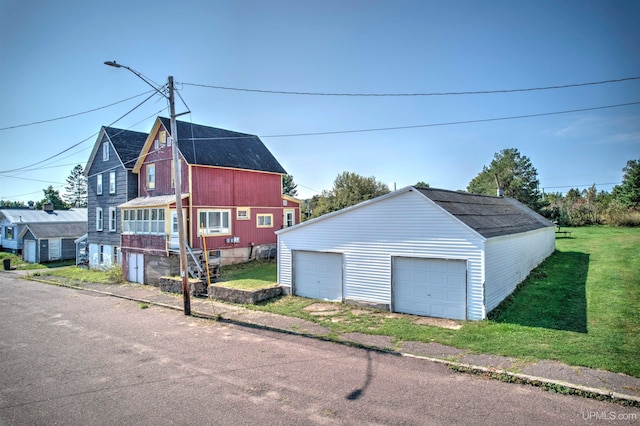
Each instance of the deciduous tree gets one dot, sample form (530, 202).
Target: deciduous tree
(348, 189)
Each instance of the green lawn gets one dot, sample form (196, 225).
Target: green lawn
(580, 307)
(18, 263)
(249, 276)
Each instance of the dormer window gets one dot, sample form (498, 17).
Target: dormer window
(105, 151)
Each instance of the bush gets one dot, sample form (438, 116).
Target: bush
(115, 274)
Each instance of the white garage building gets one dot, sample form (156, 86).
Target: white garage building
(420, 251)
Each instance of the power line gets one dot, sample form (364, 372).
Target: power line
(73, 115)
(417, 126)
(580, 186)
(82, 141)
(480, 92)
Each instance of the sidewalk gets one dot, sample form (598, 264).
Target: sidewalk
(551, 375)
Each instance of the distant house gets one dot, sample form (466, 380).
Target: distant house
(232, 197)
(419, 251)
(42, 235)
(110, 182)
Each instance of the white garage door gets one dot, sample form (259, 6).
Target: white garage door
(29, 251)
(317, 275)
(430, 287)
(135, 267)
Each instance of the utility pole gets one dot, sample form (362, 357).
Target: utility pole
(177, 178)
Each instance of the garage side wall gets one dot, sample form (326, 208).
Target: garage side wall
(404, 225)
(510, 259)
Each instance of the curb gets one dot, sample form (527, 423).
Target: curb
(549, 385)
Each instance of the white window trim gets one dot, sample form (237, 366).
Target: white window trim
(99, 219)
(112, 182)
(112, 219)
(263, 216)
(220, 230)
(105, 151)
(99, 184)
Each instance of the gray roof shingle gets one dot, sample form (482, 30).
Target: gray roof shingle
(57, 230)
(127, 144)
(211, 146)
(489, 216)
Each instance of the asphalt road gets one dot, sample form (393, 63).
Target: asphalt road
(73, 357)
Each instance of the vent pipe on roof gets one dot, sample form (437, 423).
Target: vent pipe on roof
(499, 189)
(47, 207)
(31, 205)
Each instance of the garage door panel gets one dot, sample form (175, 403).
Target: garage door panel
(318, 275)
(430, 287)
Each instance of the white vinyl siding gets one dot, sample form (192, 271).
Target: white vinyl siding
(510, 259)
(368, 247)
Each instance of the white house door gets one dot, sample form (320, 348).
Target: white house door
(135, 267)
(430, 287)
(174, 241)
(55, 249)
(29, 251)
(317, 275)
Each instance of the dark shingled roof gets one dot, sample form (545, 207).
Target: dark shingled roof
(127, 144)
(58, 230)
(211, 146)
(488, 216)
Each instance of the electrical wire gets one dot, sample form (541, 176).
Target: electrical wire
(73, 115)
(480, 92)
(417, 126)
(82, 141)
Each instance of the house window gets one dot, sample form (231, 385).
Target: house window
(8, 232)
(151, 176)
(99, 184)
(143, 221)
(112, 182)
(265, 220)
(98, 218)
(112, 219)
(114, 259)
(105, 151)
(215, 221)
(101, 254)
(243, 213)
(163, 137)
(289, 216)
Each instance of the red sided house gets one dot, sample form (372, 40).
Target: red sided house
(232, 197)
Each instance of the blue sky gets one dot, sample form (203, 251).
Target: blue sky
(52, 55)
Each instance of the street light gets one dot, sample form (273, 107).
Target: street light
(177, 177)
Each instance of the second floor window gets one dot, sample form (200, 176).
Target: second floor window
(99, 184)
(112, 219)
(112, 182)
(151, 176)
(99, 219)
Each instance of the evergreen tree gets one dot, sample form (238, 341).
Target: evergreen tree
(76, 190)
(628, 192)
(52, 196)
(289, 187)
(518, 178)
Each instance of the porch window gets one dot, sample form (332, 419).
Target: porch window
(143, 221)
(215, 221)
(265, 220)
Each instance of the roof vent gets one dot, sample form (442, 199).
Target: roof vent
(499, 192)
(32, 205)
(47, 207)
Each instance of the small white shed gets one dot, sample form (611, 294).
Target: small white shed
(420, 251)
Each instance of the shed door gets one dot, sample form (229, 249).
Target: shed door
(430, 287)
(29, 252)
(135, 267)
(317, 275)
(55, 249)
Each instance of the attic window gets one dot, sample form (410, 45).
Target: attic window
(162, 138)
(105, 151)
